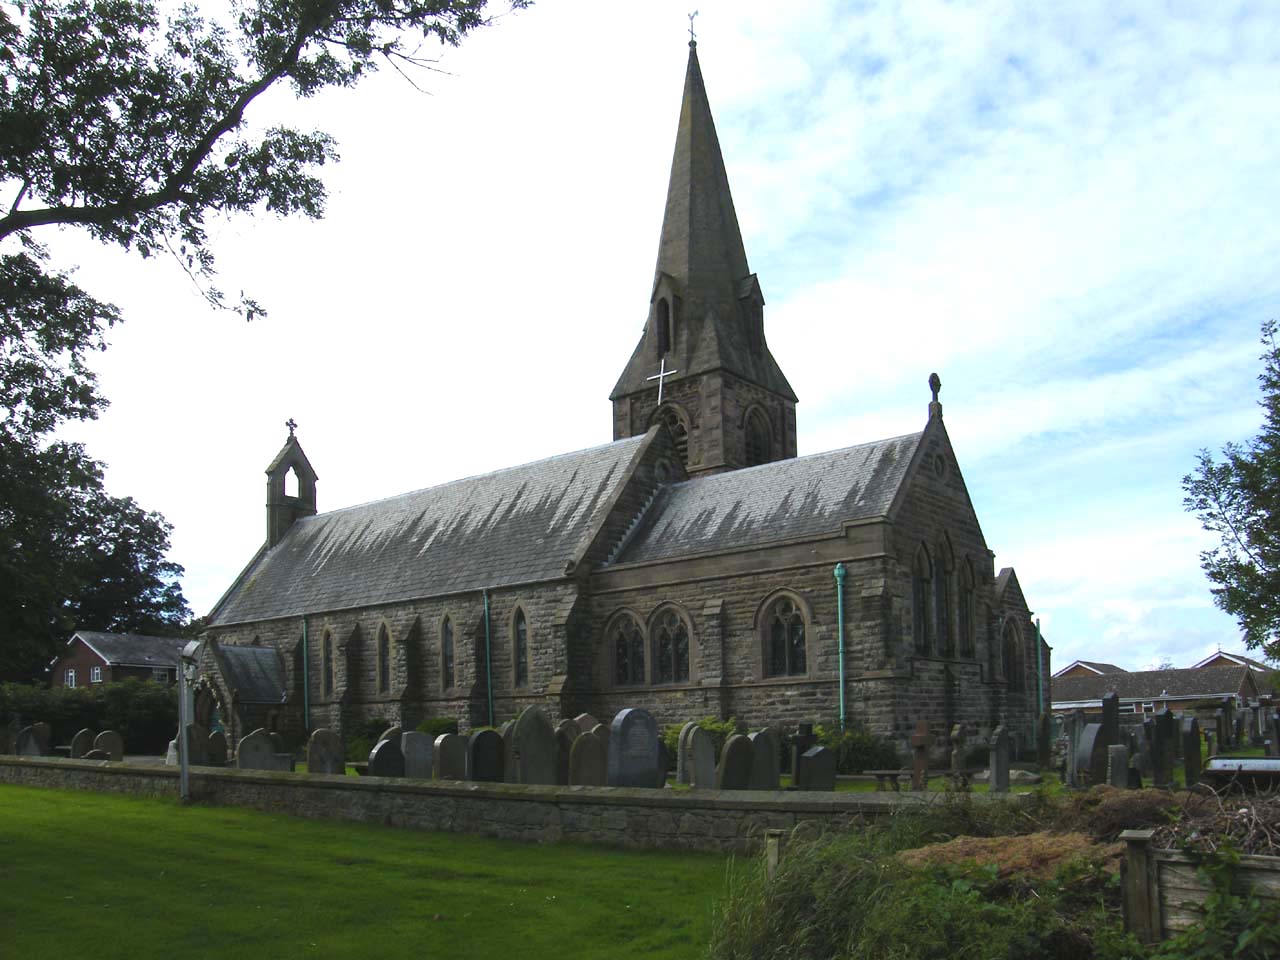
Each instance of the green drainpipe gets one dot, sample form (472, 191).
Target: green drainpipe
(488, 658)
(839, 572)
(1039, 674)
(306, 678)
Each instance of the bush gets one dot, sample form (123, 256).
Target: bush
(720, 730)
(857, 750)
(436, 726)
(143, 712)
(362, 736)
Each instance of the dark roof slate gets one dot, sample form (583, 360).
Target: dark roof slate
(256, 674)
(1152, 684)
(134, 649)
(800, 497)
(518, 525)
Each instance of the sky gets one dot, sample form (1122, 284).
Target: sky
(1069, 211)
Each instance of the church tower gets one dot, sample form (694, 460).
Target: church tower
(703, 366)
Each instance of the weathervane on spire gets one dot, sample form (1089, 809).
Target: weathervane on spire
(692, 37)
(292, 426)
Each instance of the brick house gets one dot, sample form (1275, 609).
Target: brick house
(1151, 691)
(93, 657)
(693, 566)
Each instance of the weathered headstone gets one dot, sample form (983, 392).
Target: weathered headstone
(702, 751)
(1091, 757)
(920, 756)
(509, 772)
(533, 740)
(393, 732)
(325, 754)
(1118, 766)
(1229, 719)
(1211, 742)
(386, 759)
(664, 764)
(684, 756)
(587, 763)
(765, 763)
(1190, 751)
(198, 744)
(1044, 742)
(1274, 733)
(96, 755)
(486, 756)
(44, 737)
(1220, 729)
(256, 752)
(417, 750)
(957, 748)
(81, 743)
(1075, 730)
(1255, 726)
(217, 749)
(816, 770)
(564, 745)
(802, 740)
(1110, 732)
(449, 757)
(570, 727)
(27, 745)
(734, 771)
(586, 722)
(1162, 749)
(633, 749)
(1146, 735)
(999, 761)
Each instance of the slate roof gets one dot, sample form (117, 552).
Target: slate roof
(1235, 658)
(519, 525)
(1152, 685)
(1104, 668)
(801, 497)
(134, 649)
(256, 674)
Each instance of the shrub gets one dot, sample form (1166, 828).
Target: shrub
(857, 750)
(436, 726)
(720, 730)
(143, 712)
(362, 736)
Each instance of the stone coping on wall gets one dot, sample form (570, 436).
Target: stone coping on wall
(712, 820)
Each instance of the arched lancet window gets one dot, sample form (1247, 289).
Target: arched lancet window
(446, 654)
(679, 432)
(326, 667)
(942, 573)
(966, 607)
(921, 597)
(1011, 655)
(627, 640)
(663, 316)
(759, 447)
(520, 638)
(785, 639)
(384, 659)
(670, 648)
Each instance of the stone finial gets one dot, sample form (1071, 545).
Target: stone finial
(935, 385)
(292, 424)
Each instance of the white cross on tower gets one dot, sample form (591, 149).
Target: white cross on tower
(661, 375)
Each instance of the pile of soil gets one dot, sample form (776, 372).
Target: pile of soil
(1033, 855)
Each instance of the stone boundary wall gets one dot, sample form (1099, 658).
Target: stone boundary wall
(704, 820)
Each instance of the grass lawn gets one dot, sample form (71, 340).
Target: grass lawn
(94, 875)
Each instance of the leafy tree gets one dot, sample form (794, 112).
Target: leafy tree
(1238, 498)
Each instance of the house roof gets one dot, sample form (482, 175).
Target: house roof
(1153, 685)
(799, 497)
(519, 525)
(132, 649)
(1094, 665)
(1239, 658)
(255, 674)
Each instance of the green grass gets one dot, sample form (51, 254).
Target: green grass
(85, 874)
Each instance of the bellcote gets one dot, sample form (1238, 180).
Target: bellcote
(291, 489)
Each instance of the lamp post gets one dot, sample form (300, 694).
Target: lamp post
(186, 676)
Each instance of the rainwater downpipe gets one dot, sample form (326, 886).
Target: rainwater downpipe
(488, 658)
(839, 572)
(306, 679)
(1039, 672)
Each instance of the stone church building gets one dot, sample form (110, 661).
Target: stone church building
(693, 566)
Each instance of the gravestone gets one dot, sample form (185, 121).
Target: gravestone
(1242, 729)
(386, 759)
(684, 756)
(1146, 737)
(1110, 719)
(702, 752)
(509, 772)
(325, 753)
(564, 745)
(664, 765)
(586, 722)
(633, 749)
(534, 746)
(816, 770)
(920, 756)
(217, 749)
(1118, 766)
(587, 766)
(571, 727)
(81, 743)
(1211, 743)
(1190, 751)
(486, 756)
(1220, 730)
(734, 771)
(1044, 742)
(256, 752)
(803, 739)
(6, 740)
(1229, 719)
(417, 750)
(1255, 726)
(764, 764)
(198, 744)
(96, 755)
(999, 761)
(957, 748)
(44, 737)
(449, 757)
(1075, 730)
(391, 733)
(1091, 757)
(1274, 733)
(27, 745)
(1162, 749)
(113, 745)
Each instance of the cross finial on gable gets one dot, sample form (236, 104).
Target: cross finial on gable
(292, 425)
(692, 37)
